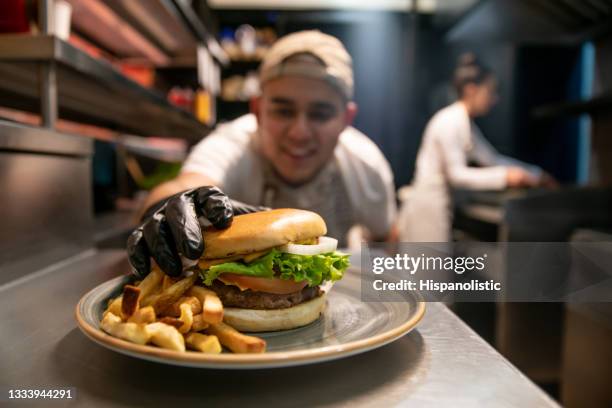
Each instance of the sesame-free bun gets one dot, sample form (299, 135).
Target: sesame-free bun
(262, 230)
(263, 320)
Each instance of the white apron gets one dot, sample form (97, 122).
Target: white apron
(425, 214)
(450, 141)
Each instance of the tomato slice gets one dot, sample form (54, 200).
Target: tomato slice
(269, 285)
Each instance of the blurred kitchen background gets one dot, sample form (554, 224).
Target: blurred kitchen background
(139, 82)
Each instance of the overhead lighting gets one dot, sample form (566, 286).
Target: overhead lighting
(423, 6)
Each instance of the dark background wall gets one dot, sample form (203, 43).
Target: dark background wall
(403, 65)
(391, 56)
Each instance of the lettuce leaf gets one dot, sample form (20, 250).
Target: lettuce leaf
(314, 269)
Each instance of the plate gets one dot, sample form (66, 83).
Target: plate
(348, 326)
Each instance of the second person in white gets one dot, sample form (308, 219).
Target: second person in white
(451, 143)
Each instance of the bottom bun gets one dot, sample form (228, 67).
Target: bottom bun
(258, 320)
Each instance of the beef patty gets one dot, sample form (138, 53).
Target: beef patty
(232, 296)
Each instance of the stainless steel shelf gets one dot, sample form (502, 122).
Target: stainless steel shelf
(192, 21)
(595, 105)
(89, 90)
(15, 137)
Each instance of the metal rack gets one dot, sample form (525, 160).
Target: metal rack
(44, 74)
(48, 174)
(83, 88)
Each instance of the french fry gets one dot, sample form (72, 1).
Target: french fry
(166, 336)
(186, 318)
(200, 292)
(151, 283)
(173, 293)
(171, 321)
(175, 309)
(236, 341)
(143, 315)
(185, 311)
(132, 332)
(168, 281)
(212, 308)
(203, 343)
(198, 323)
(115, 306)
(147, 286)
(131, 301)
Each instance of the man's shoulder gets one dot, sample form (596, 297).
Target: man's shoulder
(361, 148)
(369, 181)
(225, 149)
(238, 131)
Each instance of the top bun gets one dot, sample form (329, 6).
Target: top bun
(262, 230)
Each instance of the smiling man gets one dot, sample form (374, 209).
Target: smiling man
(296, 149)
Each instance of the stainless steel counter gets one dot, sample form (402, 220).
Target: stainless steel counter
(442, 363)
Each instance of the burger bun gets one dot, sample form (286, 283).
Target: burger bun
(262, 230)
(263, 320)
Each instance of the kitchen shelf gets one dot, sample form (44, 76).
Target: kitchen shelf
(594, 105)
(158, 20)
(228, 110)
(192, 21)
(234, 101)
(100, 23)
(89, 90)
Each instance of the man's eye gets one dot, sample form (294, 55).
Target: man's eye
(321, 116)
(284, 113)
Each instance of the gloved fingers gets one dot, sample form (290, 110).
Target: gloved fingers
(242, 208)
(215, 206)
(161, 244)
(138, 253)
(184, 225)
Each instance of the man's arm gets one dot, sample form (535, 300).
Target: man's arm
(182, 182)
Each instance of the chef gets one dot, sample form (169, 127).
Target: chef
(451, 143)
(296, 149)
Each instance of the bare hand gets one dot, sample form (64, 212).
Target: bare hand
(548, 181)
(518, 177)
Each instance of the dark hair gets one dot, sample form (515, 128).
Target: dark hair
(469, 71)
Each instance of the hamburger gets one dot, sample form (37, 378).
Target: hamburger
(267, 268)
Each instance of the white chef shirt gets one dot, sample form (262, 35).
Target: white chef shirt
(451, 141)
(356, 187)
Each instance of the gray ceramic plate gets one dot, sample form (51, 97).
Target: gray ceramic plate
(348, 326)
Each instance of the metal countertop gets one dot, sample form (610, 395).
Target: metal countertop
(442, 363)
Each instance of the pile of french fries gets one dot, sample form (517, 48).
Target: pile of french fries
(175, 314)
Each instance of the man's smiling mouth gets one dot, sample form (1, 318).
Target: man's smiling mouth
(299, 154)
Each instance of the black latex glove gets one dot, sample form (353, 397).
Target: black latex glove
(171, 228)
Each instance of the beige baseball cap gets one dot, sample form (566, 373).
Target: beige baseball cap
(293, 55)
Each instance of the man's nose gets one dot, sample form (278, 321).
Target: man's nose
(300, 129)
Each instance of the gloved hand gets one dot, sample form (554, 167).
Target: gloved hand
(171, 228)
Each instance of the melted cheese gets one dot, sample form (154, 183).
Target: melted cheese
(207, 263)
(242, 288)
(248, 258)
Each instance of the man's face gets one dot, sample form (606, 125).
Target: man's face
(300, 120)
